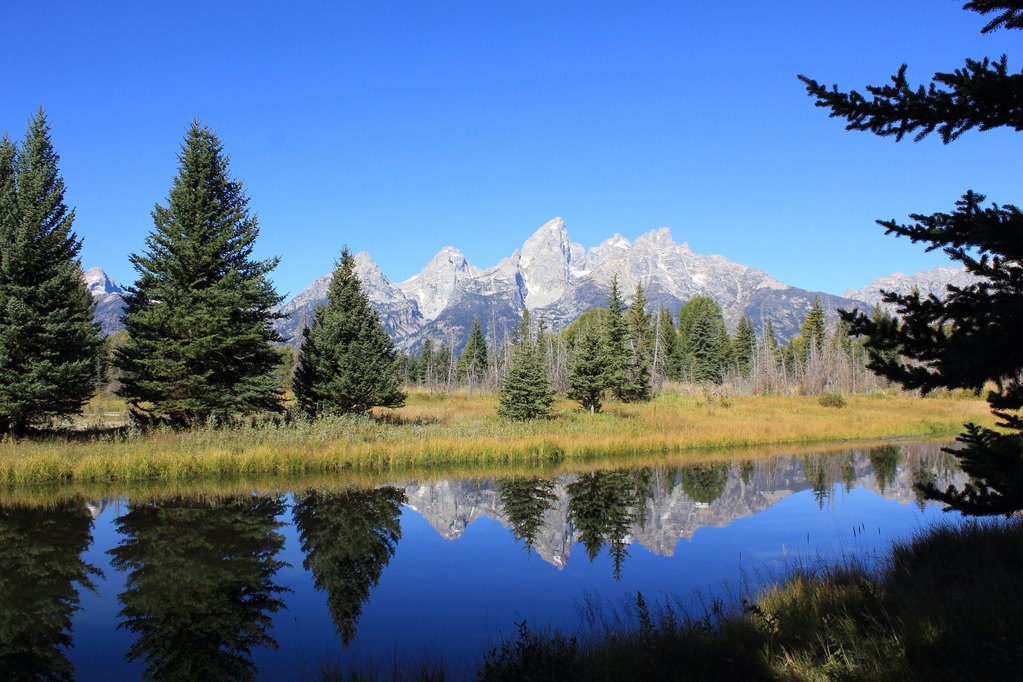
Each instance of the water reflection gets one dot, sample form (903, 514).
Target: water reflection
(200, 586)
(202, 572)
(348, 538)
(525, 501)
(40, 566)
(604, 506)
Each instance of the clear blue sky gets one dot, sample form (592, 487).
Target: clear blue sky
(399, 128)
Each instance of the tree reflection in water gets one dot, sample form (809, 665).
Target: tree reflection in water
(524, 501)
(200, 587)
(602, 507)
(704, 483)
(348, 538)
(40, 565)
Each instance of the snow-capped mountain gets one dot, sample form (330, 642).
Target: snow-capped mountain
(109, 300)
(934, 281)
(555, 277)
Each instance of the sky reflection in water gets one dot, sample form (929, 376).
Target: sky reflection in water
(277, 587)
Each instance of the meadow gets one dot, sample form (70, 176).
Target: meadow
(460, 431)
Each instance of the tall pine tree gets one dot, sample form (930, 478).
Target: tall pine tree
(743, 347)
(347, 363)
(587, 369)
(199, 317)
(472, 366)
(616, 334)
(640, 350)
(49, 345)
(526, 391)
(971, 337)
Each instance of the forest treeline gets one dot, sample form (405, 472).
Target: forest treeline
(199, 345)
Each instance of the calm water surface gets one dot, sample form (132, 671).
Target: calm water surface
(278, 586)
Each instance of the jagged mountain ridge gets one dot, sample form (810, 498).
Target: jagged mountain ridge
(670, 514)
(561, 280)
(555, 277)
(934, 281)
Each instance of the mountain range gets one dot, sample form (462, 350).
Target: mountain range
(560, 279)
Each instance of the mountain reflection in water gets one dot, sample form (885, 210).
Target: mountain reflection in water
(211, 586)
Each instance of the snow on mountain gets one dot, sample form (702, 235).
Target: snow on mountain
(934, 281)
(109, 300)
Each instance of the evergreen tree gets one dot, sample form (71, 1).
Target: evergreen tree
(972, 336)
(42, 572)
(199, 589)
(616, 332)
(704, 483)
(347, 363)
(525, 392)
(49, 345)
(639, 343)
(702, 340)
(743, 347)
(348, 538)
(587, 369)
(666, 347)
(472, 366)
(811, 333)
(524, 501)
(199, 317)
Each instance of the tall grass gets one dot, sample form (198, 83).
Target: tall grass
(461, 431)
(948, 605)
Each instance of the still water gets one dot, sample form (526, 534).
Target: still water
(278, 586)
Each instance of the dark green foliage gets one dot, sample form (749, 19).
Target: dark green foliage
(587, 369)
(616, 335)
(640, 344)
(884, 461)
(542, 657)
(744, 346)
(348, 538)
(524, 501)
(49, 345)
(704, 482)
(836, 400)
(40, 564)
(702, 340)
(200, 588)
(972, 336)
(603, 506)
(347, 363)
(526, 391)
(811, 333)
(666, 348)
(199, 317)
(472, 366)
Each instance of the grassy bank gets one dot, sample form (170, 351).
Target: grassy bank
(945, 606)
(460, 431)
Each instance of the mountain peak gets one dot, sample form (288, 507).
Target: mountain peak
(100, 283)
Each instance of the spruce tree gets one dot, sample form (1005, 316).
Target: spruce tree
(472, 366)
(587, 369)
(639, 342)
(526, 391)
(199, 317)
(667, 347)
(811, 333)
(971, 337)
(743, 347)
(616, 333)
(347, 363)
(49, 345)
(702, 340)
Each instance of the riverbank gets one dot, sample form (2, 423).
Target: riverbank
(945, 605)
(462, 431)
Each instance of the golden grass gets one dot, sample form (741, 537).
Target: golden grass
(461, 432)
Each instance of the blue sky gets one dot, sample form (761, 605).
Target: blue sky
(399, 128)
